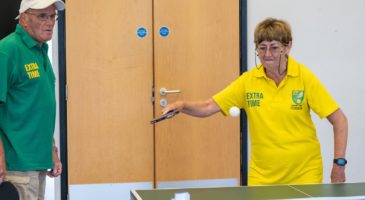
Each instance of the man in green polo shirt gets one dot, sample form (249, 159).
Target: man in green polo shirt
(27, 101)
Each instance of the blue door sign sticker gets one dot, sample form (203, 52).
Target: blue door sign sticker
(141, 32)
(164, 31)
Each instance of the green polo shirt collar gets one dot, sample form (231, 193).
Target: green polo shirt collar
(27, 39)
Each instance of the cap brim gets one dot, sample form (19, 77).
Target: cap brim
(59, 5)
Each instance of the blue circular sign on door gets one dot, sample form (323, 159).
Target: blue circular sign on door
(142, 32)
(164, 31)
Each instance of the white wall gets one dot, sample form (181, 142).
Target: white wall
(329, 38)
(53, 184)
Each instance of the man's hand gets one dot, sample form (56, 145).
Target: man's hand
(57, 165)
(2, 163)
(2, 171)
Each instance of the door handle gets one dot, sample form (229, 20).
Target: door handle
(164, 91)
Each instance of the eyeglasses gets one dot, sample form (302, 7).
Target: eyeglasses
(44, 16)
(275, 49)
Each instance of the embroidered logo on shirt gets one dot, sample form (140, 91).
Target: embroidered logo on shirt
(32, 70)
(253, 98)
(297, 97)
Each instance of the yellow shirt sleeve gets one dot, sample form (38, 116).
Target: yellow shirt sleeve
(319, 99)
(232, 95)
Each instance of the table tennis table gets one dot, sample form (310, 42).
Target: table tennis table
(310, 191)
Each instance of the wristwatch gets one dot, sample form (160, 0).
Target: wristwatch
(340, 161)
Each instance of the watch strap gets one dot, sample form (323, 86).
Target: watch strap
(340, 161)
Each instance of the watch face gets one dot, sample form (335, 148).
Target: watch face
(341, 161)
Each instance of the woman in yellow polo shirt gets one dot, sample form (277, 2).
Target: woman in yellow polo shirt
(277, 96)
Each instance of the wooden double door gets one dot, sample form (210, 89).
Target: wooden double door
(119, 54)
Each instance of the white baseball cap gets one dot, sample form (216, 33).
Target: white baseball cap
(39, 4)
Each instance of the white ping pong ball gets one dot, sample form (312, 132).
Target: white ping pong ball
(234, 111)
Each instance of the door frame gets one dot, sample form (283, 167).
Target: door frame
(63, 102)
(63, 97)
(243, 68)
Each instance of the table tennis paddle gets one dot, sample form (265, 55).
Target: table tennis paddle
(168, 115)
(8, 191)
